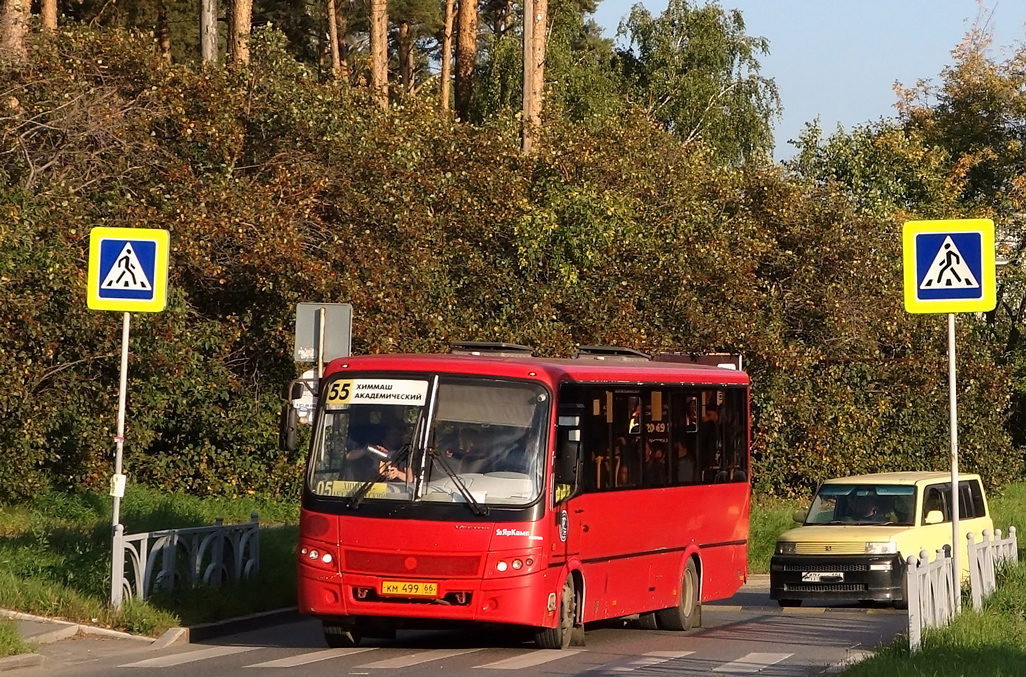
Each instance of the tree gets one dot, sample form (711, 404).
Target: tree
(379, 51)
(14, 17)
(696, 71)
(446, 55)
(239, 27)
(466, 56)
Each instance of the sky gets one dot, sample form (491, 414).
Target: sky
(838, 60)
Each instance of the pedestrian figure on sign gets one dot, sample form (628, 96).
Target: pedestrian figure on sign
(951, 259)
(125, 263)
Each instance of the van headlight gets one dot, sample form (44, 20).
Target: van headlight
(786, 547)
(881, 548)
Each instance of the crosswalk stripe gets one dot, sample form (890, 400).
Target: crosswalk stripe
(417, 658)
(753, 662)
(304, 659)
(189, 657)
(529, 660)
(650, 658)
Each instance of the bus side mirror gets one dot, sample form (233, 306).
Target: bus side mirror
(568, 457)
(799, 516)
(934, 517)
(288, 428)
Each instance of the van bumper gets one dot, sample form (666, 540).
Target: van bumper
(878, 578)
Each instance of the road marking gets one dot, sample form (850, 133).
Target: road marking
(528, 660)
(644, 661)
(417, 658)
(304, 659)
(753, 662)
(189, 657)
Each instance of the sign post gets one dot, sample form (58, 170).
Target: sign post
(949, 268)
(127, 272)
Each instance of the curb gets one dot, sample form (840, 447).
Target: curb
(205, 631)
(19, 661)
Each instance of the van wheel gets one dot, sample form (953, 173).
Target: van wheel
(339, 636)
(560, 636)
(789, 602)
(688, 612)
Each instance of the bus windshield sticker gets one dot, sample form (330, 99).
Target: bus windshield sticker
(343, 393)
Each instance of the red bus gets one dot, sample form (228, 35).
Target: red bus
(490, 486)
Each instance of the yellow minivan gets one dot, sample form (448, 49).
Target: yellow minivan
(856, 537)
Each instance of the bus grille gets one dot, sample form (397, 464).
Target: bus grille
(385, 563)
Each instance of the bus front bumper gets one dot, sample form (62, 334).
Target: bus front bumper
(829, 578)
(519, 600)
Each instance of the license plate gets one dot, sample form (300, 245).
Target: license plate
(409, 589)
(822, 577)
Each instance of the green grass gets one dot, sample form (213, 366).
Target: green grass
(55, 558)
(10, 641)
(991, 642)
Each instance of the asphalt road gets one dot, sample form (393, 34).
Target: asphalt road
(747, 634)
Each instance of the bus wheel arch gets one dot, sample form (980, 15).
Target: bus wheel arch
(567, 617)
(688, 612)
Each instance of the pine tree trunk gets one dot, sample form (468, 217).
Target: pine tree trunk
(379, 50)
(14, 17)
(534, 70)
(239, 26)
(406, 57)
(466, 56)
(48, 12)
(208, 30)
(163, 32)
(447, 54)
(336, 59)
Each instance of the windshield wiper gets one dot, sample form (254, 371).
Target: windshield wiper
(479, 510)
(361, 491)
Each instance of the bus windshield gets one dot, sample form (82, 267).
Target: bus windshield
(436, 438)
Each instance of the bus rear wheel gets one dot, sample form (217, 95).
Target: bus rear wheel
(688, 612)
(338, 636)
(560, 636)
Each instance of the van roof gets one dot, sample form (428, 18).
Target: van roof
(905, 477)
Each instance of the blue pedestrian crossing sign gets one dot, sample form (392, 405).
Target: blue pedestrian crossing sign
(949, 266)
(128, 269)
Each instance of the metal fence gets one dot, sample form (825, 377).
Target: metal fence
(931, 588)
(164, 560)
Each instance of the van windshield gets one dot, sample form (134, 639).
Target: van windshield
(436, 438)
(863, 504)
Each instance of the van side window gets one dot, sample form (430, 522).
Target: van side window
(935, 500)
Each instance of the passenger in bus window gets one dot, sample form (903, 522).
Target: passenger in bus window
(623, 476)
(656, 474)
(685, 462)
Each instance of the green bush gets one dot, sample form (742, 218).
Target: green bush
(277, 189)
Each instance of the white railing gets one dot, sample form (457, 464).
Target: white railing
(986, 558)
(931, 589)
(163, 560)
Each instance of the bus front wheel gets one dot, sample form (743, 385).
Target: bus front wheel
(688, 612)
(560, 636)
(338, 636)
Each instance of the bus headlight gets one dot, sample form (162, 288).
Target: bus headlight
(881, 548)
(786, 547)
